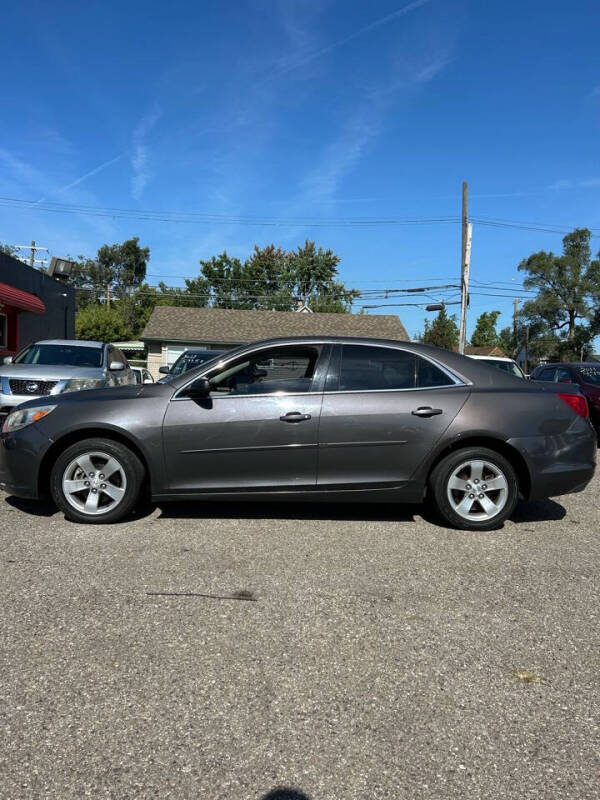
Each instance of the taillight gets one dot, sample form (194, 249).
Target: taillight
(577, 402)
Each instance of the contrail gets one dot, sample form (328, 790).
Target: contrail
(87, 175)
(378, 22)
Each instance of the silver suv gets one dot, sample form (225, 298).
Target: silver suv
(60, 365)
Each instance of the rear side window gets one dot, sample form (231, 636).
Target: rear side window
(366, 368)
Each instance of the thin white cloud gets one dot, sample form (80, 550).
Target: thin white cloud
(139, 159)
(294, 62)
(90, 174)
(583, 183)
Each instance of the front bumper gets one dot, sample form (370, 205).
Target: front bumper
(21, 455)
(559, 464)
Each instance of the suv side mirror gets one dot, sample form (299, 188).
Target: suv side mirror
(199, 389)
(116, 366)
(164, 370)
(7, 360)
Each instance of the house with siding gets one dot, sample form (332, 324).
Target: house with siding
(171, 330)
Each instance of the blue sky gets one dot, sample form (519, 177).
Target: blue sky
(296, 109)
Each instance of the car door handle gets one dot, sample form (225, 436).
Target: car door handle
(427, 411)
(294, 416)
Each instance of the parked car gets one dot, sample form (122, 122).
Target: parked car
(142, 375)
(318, 418)
(55, 366)
(502, 363)
(188, 360)
(584, 375)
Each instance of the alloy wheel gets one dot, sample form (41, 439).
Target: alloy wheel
(477, 490)
(94, 483)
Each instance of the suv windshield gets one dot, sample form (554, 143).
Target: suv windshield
(590, 374)
(505, 366)
(61, 355)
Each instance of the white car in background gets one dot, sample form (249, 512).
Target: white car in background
(502, 363)
(142, 375)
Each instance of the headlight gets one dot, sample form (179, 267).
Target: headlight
(22, 417)
(77, 384)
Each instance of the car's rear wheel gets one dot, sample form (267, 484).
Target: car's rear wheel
(474, 489)
(96, 481)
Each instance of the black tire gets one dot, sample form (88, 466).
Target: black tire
(439, 489)
(128, 481)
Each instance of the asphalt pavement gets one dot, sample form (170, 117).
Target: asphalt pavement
(202, 651)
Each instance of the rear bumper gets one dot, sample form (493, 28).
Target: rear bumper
(21, 455)
(559, 464)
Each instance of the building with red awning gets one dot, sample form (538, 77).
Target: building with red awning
(33, 306)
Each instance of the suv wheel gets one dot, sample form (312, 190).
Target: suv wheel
(96, 481)
(474, 489)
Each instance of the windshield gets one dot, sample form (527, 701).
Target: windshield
(191, 359)
(61, 355)
(505, 366)
(590, 374)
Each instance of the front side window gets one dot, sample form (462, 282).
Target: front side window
(282, 370)
(61, 355)
(366, 368)
(563, 375)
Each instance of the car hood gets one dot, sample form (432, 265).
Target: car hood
(129, 392)
(48, 372)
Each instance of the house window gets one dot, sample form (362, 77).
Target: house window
(3, 331)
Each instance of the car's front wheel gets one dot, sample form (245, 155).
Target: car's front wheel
(96, 481)
(474, 489)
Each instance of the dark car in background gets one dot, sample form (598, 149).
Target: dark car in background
(585, 375)
(308, 419)
(189, 359)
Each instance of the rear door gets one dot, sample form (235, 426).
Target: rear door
(258, 429)
(384, 409)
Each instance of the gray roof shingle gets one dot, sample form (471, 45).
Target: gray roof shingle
(231, 326)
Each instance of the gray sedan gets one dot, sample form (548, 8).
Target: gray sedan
(308, 419)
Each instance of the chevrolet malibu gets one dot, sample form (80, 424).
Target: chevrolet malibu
(335, 419)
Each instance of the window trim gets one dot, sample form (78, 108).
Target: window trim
(337, 361)
(324, 358)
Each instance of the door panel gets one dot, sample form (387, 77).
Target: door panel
(373, 438)
(240, 442)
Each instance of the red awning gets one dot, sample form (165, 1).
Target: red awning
(20, 299)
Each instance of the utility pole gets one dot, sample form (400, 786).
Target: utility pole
(515, 319)
(32, 256)
(108, 295)
(525, 363)
(465, 258)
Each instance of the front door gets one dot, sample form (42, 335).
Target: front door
(384, 409)
(258, 428)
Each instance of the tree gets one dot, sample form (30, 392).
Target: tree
(224, 278)
(101, 323)
(312, 275)
(9, 250)
(120, 268)
(442, 332)
(485, 334)
(565, 310)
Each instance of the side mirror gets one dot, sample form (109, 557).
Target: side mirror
(7, 360)
(116, 366)
(164, 370)
(199, 389)
(148, 380)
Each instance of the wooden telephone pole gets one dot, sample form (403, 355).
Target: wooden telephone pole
(465, 263)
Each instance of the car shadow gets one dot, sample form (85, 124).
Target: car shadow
(526, 512)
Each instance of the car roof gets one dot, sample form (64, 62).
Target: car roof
(72, 342)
